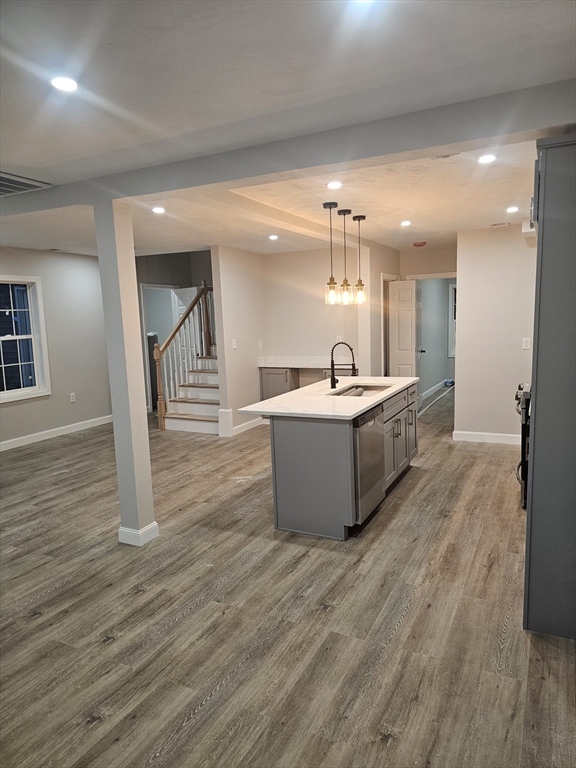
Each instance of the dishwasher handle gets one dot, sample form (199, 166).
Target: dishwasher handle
(368, 417)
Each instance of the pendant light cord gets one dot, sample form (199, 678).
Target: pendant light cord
(359, 275)
(344, 217)
(331, 259)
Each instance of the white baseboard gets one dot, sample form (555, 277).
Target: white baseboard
(138, 537)
(433, 389)
(226, 426)
(37, 437)
(247, 425)
(486, 437)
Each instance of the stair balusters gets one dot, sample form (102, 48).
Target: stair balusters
(191, 338)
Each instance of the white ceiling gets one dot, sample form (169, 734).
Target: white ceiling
(441, 195)
(162, 81)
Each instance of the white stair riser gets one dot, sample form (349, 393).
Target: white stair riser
(184, 425)
(203, 378)
(201, 392)
(213, 350)
(194, 408)
(207, 365)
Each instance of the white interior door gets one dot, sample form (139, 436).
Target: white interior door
(419, 350)
(402, 327)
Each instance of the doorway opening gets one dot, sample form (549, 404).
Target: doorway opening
(420, 313)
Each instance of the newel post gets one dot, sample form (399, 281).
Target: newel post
(161, 404)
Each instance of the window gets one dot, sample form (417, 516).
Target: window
(23, 352)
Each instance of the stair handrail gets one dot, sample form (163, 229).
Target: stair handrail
(160, 349)
(203, 292)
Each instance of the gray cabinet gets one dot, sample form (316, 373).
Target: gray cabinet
(413, 430)
(390, 465)
(337, 371)
(277, 381)
(550, 582)
(396, 447)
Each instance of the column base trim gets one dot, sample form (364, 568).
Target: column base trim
(138, 537)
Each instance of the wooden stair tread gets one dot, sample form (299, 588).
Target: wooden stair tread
(189, 417)
(203, 370)
(196, 400)
(202, 386)
(207, 357)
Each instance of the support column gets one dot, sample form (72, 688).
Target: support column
(115, 242)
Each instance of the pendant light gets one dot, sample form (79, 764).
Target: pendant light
(331, 295)
(346, 292)
(359, 290)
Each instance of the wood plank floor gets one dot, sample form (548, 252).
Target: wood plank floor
(225, 643)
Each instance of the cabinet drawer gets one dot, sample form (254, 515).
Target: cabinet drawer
(412, 393)
(395, 404)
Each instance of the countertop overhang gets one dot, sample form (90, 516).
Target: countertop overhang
(317, 401)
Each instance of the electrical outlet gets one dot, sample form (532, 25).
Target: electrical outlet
(526, 343)
(234, 345)
(338, 338)
(72, 397)
(259, 345)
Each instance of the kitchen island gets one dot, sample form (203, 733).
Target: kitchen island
(336, 452)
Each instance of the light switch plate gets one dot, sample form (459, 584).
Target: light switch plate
(234, 345)
(525, 343)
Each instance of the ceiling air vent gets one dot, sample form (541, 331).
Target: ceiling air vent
(15, 185)
(501, 224)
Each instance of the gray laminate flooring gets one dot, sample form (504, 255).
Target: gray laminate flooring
(225, 643)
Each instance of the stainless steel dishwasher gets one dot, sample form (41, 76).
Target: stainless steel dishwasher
(369, 474)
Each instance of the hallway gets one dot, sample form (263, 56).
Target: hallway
(225, 643)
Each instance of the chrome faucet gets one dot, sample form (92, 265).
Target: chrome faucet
(333, 379)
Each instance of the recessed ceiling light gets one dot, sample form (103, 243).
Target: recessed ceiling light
(272, 237)
(158, 209)
(334, 184)
(64, 83)
(485, 159)
(405, 223)
(512, 209)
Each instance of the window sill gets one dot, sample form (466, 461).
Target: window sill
(15, 396)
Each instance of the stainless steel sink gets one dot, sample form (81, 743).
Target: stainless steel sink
(359, 390)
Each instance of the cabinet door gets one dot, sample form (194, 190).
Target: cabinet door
(275, 381)
(390, 468)
(413, 431)
(402, 446)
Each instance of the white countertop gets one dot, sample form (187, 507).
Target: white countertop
(316, 401)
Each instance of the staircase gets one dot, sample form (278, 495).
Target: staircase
(187, 371)
(195, 409)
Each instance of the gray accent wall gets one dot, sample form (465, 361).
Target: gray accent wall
(182, 270)
(435, 366)
(76, 348)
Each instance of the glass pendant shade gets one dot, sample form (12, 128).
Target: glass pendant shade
(331, 294)
(359, 292)
(346, 293)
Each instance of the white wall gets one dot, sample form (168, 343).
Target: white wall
(76, 347)
(495, 311)
(383, 260)
(298, 320)
(240, 306)
(435, 366)
(427, 261)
